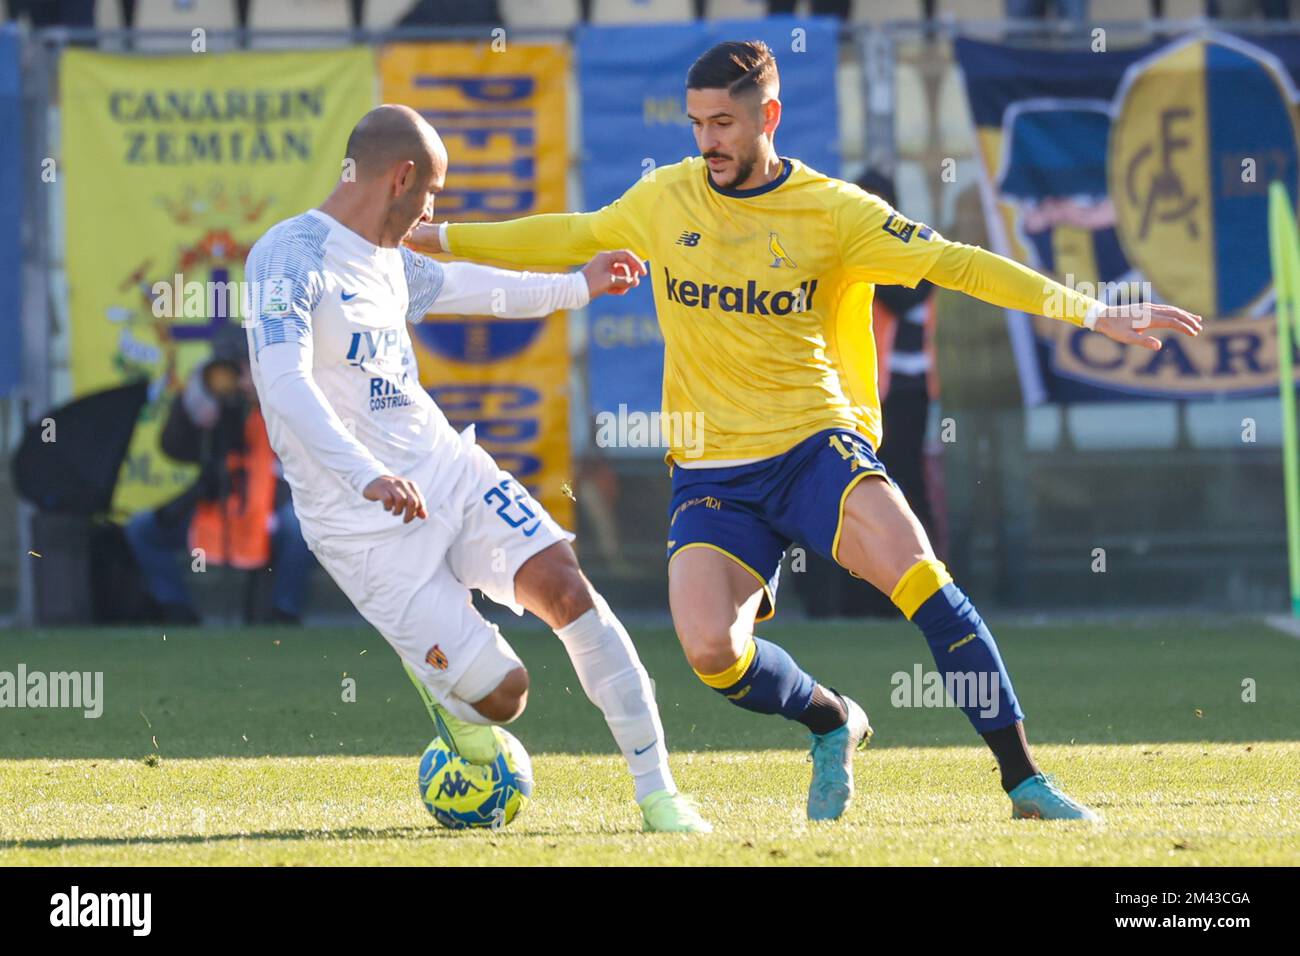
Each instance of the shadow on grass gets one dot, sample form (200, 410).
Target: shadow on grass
(433, 833)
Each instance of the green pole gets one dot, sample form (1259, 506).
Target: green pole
(1286, 279)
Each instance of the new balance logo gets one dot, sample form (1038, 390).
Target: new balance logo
(454, 785)
(688, 239)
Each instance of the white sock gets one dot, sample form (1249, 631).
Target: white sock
(614, 680)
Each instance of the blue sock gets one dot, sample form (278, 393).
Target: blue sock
(968, 659)
(765, 680)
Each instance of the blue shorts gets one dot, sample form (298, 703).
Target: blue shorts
(753, 512)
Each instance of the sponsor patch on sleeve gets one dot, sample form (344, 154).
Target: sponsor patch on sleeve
(900, 228)
(276, 296)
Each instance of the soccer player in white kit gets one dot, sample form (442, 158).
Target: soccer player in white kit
(405, 514)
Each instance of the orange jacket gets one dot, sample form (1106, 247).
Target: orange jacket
(242, 521)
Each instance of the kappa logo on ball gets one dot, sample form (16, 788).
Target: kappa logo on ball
(436, 658)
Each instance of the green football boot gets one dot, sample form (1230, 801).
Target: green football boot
(477, 743)
(664, 812)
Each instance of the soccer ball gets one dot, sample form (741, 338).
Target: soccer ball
(461, 794)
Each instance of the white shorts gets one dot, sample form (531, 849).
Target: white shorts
(415, 588)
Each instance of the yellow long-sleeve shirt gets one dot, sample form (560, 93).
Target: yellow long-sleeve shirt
(764, 295)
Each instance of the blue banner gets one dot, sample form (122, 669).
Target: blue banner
(1141, 174)
(633, 86)
(11, 209)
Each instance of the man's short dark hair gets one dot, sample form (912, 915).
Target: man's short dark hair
(737, 66)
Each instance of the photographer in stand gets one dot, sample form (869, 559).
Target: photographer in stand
(238, 512)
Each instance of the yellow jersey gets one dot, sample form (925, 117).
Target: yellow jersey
(764, 295)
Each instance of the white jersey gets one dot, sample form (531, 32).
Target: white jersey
(336, 375)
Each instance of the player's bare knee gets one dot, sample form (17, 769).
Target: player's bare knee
(710, 649)
(508, 700)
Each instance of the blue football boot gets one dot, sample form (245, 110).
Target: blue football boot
(832, 760)
(1039, 798)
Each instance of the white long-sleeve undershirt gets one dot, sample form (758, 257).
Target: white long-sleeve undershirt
(472, 289)
(290, 392)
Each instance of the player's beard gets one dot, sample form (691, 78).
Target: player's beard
(744, 168)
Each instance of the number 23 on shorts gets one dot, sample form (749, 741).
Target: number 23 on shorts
(508, 493)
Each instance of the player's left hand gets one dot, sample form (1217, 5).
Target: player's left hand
(613, 272)
(1131, 324)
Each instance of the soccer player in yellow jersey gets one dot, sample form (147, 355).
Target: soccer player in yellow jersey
(763, 273)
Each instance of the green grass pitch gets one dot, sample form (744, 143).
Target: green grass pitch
(236, 747)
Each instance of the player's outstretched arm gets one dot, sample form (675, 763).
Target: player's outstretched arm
(880, 245)
(467, 288)
(550, 239)
(1006, 283)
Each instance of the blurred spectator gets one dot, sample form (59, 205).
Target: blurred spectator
(1037, 9)
(825, 8)
(1249, 9)
(453, 13)
(238, 511)
(903, 320)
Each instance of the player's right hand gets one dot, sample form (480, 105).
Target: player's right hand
(399, 495)
(424, 238)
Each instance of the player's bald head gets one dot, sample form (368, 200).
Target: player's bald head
(392, 134)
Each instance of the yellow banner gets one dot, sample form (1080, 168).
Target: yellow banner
(174, 167)
(501, 111)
